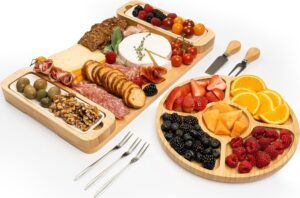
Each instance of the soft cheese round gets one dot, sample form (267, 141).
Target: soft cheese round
(154, 42)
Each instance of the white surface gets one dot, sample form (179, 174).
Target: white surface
(37, 163)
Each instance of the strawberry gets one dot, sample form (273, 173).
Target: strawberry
(197, 90)
(200, 103)
(177, 106)
(188, 103)
(175, 93)
(186, 89)
(148, 8)
(211, 97)
(202, 83)
(110, 57)
(216, 82)
(219, 93)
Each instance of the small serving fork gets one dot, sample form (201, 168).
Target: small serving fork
(91, 166)
(132, 161)
(125, 154)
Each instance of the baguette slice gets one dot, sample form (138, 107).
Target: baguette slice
(136, 98)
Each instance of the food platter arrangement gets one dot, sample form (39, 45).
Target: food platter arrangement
(229, 129)
(117, 69)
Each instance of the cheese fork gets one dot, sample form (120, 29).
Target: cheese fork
(116, 147)
(132, 161)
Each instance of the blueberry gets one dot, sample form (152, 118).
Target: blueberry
(216, 154)
(189, 155)
(166, 126)
(197, 127)
(168, 136)
(187, 136)
(205, 141)
(214, 143)
(188, 144)
(208, 151)
(174, 126)
(179, 132)
(166, 116)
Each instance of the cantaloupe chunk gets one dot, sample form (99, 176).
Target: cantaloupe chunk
(229, 118)
(211, 118)
(221, 129)
(223, 107)
(239, 126)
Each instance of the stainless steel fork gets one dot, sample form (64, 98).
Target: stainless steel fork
(125, 154)
(132, 161)
(116, 147)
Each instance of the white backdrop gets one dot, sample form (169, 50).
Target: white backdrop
(37, 163)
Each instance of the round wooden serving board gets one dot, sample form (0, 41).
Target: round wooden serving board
(222, 172)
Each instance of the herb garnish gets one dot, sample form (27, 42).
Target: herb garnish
(140, 48)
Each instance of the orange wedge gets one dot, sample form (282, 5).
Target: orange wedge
(250, 100)
(235, 92)
(251, 82)
(276, 98)
(266, 104)
(277, 116)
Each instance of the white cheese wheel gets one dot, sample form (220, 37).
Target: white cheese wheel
(154, 42)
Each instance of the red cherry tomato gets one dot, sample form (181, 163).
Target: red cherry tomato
(177, 51)
(187, 58)
(167, 23)
(192, 50)
(176, 44)
(176, 61)
(188, 31)
(188, 22)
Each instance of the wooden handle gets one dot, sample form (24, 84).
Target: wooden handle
(252, 54)
(233, 47)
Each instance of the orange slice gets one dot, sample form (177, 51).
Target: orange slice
(266, 104)
(276, 98)
(277, 116)
(235, 92)
(251, 82)
(250, 100)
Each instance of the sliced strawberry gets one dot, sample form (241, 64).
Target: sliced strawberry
(203, 83)
(219, 93)
(185, 89)
(200, 103)
(216, 82)
(177, 106)
(188, 103)
(211, 97)
(175, 93)
(197, 90)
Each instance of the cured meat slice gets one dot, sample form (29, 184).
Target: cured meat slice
(65, 78)
(53, 75)
(153, 74)
(130, 72)
(43, 67)
(103, 98)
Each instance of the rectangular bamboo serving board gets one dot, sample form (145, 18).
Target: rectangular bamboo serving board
(92, 141)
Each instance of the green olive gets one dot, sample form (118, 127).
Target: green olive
(29, 92)
(40, 84)
(21, 84)
(42, 93)
(46, 102)
(53, 91)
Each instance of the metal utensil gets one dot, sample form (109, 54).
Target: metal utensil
(232, 48)
(125, 154)
(132, 161)
(251, 55)
(116, 147)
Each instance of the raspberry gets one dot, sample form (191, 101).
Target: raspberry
(272, 151)
(262, 159)
(264, 143)
(148, 8)
(258, 132)
(240, 153)
(251, 158)
(284, 132)
(142, 14)
(232, 161)
(155, 21)
(251, 145)
(286, 140)
(272, 134)
(236, 142)
(245, 167)
(279, 146)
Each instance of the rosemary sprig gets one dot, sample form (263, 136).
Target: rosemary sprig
(140, 48)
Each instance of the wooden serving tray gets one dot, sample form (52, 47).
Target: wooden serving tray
(222, 172)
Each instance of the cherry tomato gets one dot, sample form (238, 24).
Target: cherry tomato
(192, 50)
(176, 61)
(177, 51)
(187, 58)
(188, 31)
(188, 22)
(178, 20)
(177, 28)
(167, 23)
(199, 29)
(172, 15)
(176, 44)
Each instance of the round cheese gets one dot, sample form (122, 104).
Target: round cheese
(152, 42)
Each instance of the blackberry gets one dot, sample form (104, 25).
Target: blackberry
(175, 118)
(177, 144)
(197, 127)
(166, 116)
(159, 14)
(196, 134)
(179, 132)
(148, 17)
(189, 155)
(187, 136)
(214, 143)
(216, 154)
(197, 146)
(150, 90)
(168, 136)
(208, 151)
(208, 162)
(190, 120)
(188, 144)
(186, 128)
(166, 126)
(174, 126)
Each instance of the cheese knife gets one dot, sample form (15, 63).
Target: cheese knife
(232, 48)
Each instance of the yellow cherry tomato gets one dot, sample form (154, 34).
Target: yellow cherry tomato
(40, 59)
(178, 20)
(177, 28)
(199, 29)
